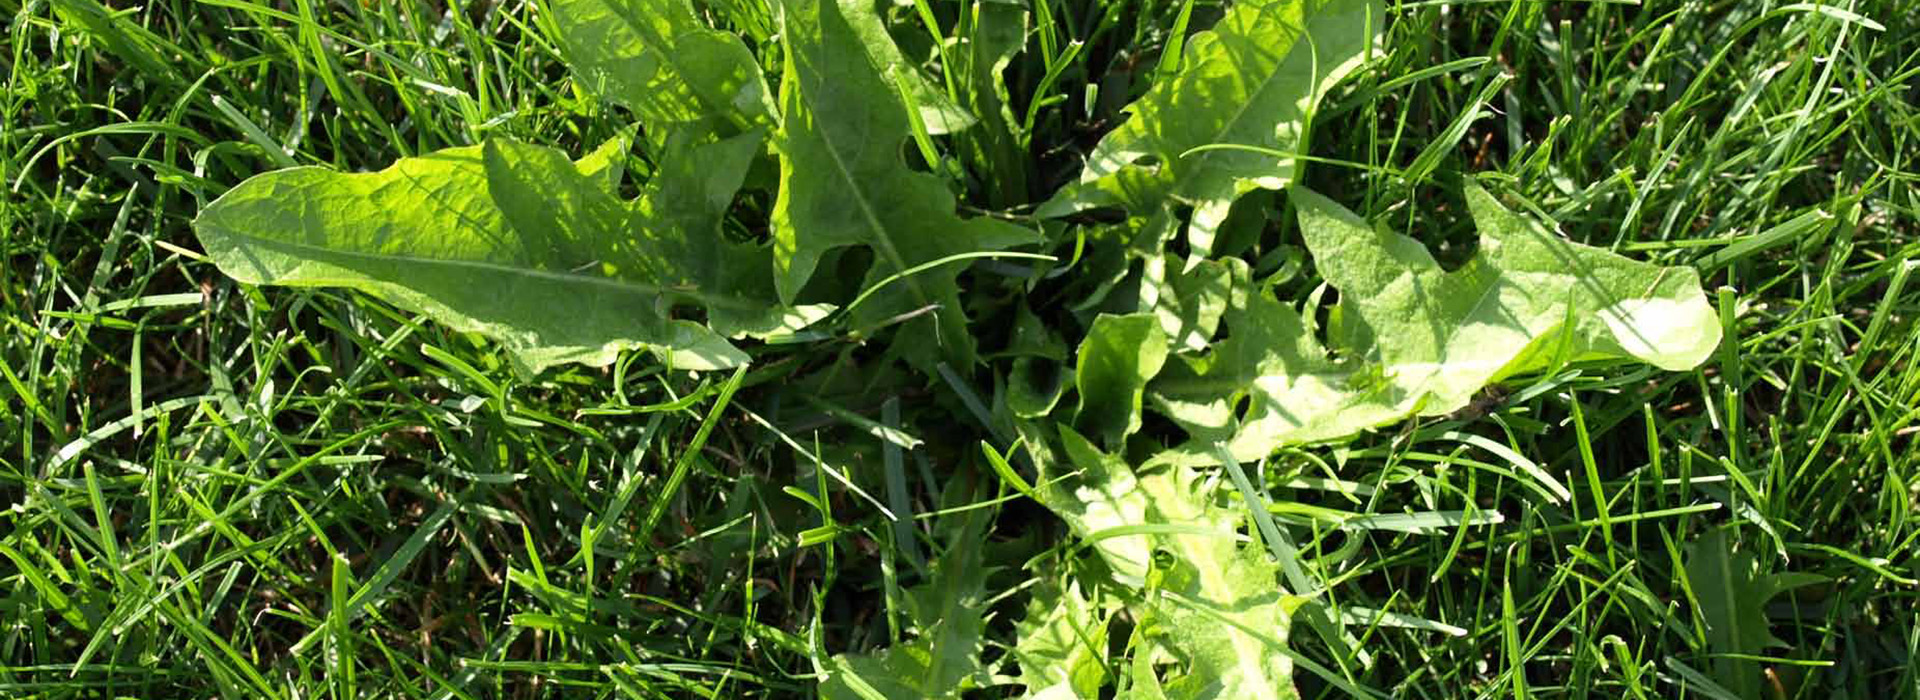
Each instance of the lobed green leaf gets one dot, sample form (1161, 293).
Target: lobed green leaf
(1216, 618)
(515, 242)
(844, 183)
(936, 110)
(1251, 83)
(1118, 356)
(1415, 339)
(1062, 647)
(659, 59)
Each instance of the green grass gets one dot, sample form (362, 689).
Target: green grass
(212, 490)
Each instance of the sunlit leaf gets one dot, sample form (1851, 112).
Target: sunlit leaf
(1216, 617)
(1415, 339)
(936, 109)
(658, 58)
(843, 183)
(515, 242)
(1062, 648)
(1252, 81)
(1188, 302)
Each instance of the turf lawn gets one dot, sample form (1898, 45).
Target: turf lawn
(210, 490)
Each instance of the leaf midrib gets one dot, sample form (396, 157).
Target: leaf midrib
(624, 285)
(1246, 106)
(853, 185)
